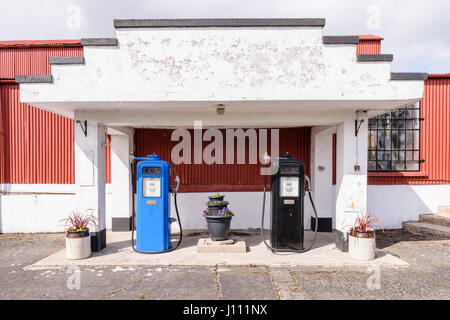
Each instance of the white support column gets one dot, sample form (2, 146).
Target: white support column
(351, 181)
(322, 170)
(122, 194)
(90, 175)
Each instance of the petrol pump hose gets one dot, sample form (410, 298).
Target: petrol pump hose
(262, 221)
(175, 192)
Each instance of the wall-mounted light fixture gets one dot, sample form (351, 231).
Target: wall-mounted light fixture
(83, 125)
(220, 110)
(358, 121)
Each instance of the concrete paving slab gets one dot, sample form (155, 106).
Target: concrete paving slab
(251, 283)
(206, 245)
(169, 283)
(119, 253)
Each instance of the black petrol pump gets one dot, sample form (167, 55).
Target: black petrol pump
(287, 195)
(287, 205)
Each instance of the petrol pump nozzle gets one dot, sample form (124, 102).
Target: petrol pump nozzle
(177, 180)
(266, 158)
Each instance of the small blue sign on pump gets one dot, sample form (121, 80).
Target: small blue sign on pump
(153, 205)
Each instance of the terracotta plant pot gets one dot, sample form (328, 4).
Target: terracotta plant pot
(362, 246)
(78, 245)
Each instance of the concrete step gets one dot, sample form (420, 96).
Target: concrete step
(435, 219)
(444, 211)
(427, 229)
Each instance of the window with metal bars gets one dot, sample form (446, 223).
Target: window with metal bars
(394, 140)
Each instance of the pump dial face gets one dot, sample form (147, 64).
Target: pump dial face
(151, 187)
(151, 170)
(289, 186)
(289, 170)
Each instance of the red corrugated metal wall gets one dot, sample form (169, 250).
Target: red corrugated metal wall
(221, 177)
(32, 60)
(368, 47)
(435, 138)
(36, 146)
(334, 156)
(2, 139)
(108, 159)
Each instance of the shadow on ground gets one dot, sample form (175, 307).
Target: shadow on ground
(389, 238)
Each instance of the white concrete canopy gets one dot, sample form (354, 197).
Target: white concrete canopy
(262, 69)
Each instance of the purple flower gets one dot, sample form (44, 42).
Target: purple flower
(225, 212)
(222, 212)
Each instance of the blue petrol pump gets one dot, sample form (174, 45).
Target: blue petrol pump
(153, 205)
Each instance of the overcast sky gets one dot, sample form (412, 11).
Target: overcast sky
(416, 32)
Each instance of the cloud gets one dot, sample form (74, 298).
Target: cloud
(416, 32)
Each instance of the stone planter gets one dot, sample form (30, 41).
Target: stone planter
(362, 246)
(78, 245)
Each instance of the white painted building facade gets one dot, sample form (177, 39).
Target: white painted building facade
(268, 73)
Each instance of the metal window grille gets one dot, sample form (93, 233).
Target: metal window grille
(394, 140)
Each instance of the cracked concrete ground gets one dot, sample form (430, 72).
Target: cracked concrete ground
(427, 277)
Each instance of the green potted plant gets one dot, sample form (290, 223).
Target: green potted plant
(362, 240)
(218, 217)
(78, 240)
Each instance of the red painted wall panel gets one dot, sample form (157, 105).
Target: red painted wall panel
(435, 138)
(221, 177)
(36, 146)
(369, 44)
(334, 155)
(368, 47)
(108, 159)
(22, 59)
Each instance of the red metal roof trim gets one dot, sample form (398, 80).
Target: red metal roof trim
(439, 76)
(362, 37)
(39, 43)
(368, 43)
(7, 80)
(369, 37)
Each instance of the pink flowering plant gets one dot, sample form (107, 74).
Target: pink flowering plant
(77, 221)
(366, 223)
